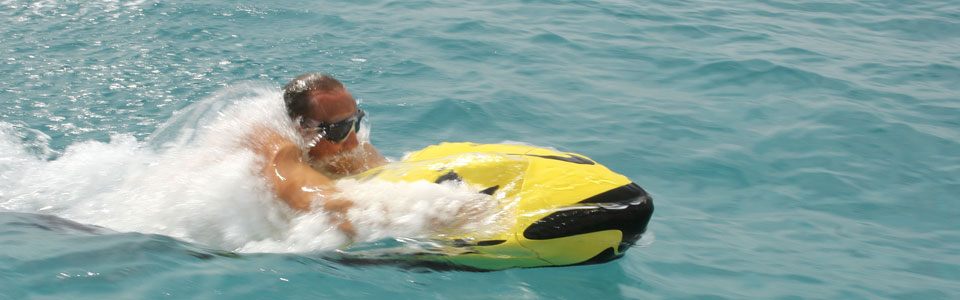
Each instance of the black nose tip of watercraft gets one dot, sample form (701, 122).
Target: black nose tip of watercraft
(627, 208)
(630, 214)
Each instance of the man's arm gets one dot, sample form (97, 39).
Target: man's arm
(295, 182)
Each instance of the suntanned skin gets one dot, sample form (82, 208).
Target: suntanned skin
(292, 178)
(334, 106)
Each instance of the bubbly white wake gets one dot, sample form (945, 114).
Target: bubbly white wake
(195, 179)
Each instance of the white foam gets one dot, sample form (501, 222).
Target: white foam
(195, 180)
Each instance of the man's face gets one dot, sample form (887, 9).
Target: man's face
(332, 107)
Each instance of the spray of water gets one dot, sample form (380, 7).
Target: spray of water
(195, 179)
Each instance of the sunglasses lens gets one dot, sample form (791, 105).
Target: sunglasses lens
(339, 132)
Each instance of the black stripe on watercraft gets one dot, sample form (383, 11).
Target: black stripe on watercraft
(490, 190)
(627, 208)
(570, 158)
(428, 266)
(491, 242)
(464, 243)
(449, 176)
(410, 264)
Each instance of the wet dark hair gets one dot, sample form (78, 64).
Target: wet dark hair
(296, 92)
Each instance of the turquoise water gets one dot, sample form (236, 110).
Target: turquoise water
(795, 150)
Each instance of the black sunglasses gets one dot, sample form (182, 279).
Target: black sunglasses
(338, 131)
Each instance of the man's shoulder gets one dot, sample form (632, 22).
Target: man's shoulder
(268, 142)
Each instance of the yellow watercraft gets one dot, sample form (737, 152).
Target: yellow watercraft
(566, 209)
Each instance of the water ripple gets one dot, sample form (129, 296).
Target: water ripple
(801, 149)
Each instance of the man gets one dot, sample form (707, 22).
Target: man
(327, 116)
(327, 113)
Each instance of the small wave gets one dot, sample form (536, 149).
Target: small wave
(194, 179)
(755, 75)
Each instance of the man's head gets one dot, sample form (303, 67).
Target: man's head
(317, 99)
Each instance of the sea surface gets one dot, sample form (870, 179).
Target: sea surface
(794, 149)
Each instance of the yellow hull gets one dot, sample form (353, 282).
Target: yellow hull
(566, 209)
